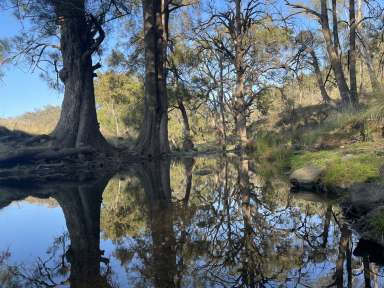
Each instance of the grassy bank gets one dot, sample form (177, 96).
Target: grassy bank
(348, 146)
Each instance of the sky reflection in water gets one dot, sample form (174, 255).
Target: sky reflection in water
(193, 223)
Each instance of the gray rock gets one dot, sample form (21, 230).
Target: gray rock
(306, 177)
(365, 197)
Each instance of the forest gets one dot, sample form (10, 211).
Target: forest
(274, 99)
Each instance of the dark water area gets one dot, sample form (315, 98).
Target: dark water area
(190, 223)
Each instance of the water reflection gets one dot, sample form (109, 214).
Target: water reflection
(192, 223)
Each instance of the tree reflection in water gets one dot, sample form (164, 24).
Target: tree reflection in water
(195, 223)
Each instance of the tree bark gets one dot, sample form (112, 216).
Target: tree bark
(78, 125)
(221, 102)
(319, 77)
(117, 129)
(153, 138)
(333, 55)
(240, 106)
(187, 138)
(335, 25)
(352, 52)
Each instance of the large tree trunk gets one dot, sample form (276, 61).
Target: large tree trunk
(153, 138)
(78, 125)
(352, 51)
(319, 77)
(333, 55)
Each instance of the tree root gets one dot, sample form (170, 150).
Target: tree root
(43, 154)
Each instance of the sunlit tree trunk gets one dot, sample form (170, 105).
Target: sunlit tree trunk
(332, 51)
(319, 77)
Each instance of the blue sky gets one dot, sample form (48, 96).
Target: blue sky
(21, 90)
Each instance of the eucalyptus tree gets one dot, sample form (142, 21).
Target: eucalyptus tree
(308, 43)
(181, 64)
(333, 45)
(153, 139)
(251, 41)
(214, 79)
(63, 36)
(368, 23)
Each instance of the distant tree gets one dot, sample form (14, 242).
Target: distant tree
(251, 42)
(308, 43)
(182, 67)
(332, 45)
(365, 26)
(120, 97)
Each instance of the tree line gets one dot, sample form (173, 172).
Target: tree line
(225, 58)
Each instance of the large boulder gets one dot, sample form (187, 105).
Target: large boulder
(308, 177)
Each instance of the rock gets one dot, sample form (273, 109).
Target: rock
(368, 228)
(365, 197)
(365, 204)
(307, 177)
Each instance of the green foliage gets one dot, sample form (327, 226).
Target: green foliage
(120, 215)
(120, 98)
(378, 222)
(272, 152)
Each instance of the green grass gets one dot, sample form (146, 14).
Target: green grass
(320, 158)
(378, 223)
(341, 171)
(357, 169)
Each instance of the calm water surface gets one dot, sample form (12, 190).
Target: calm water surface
(192, 223)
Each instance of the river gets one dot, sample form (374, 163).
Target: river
(205, 222)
